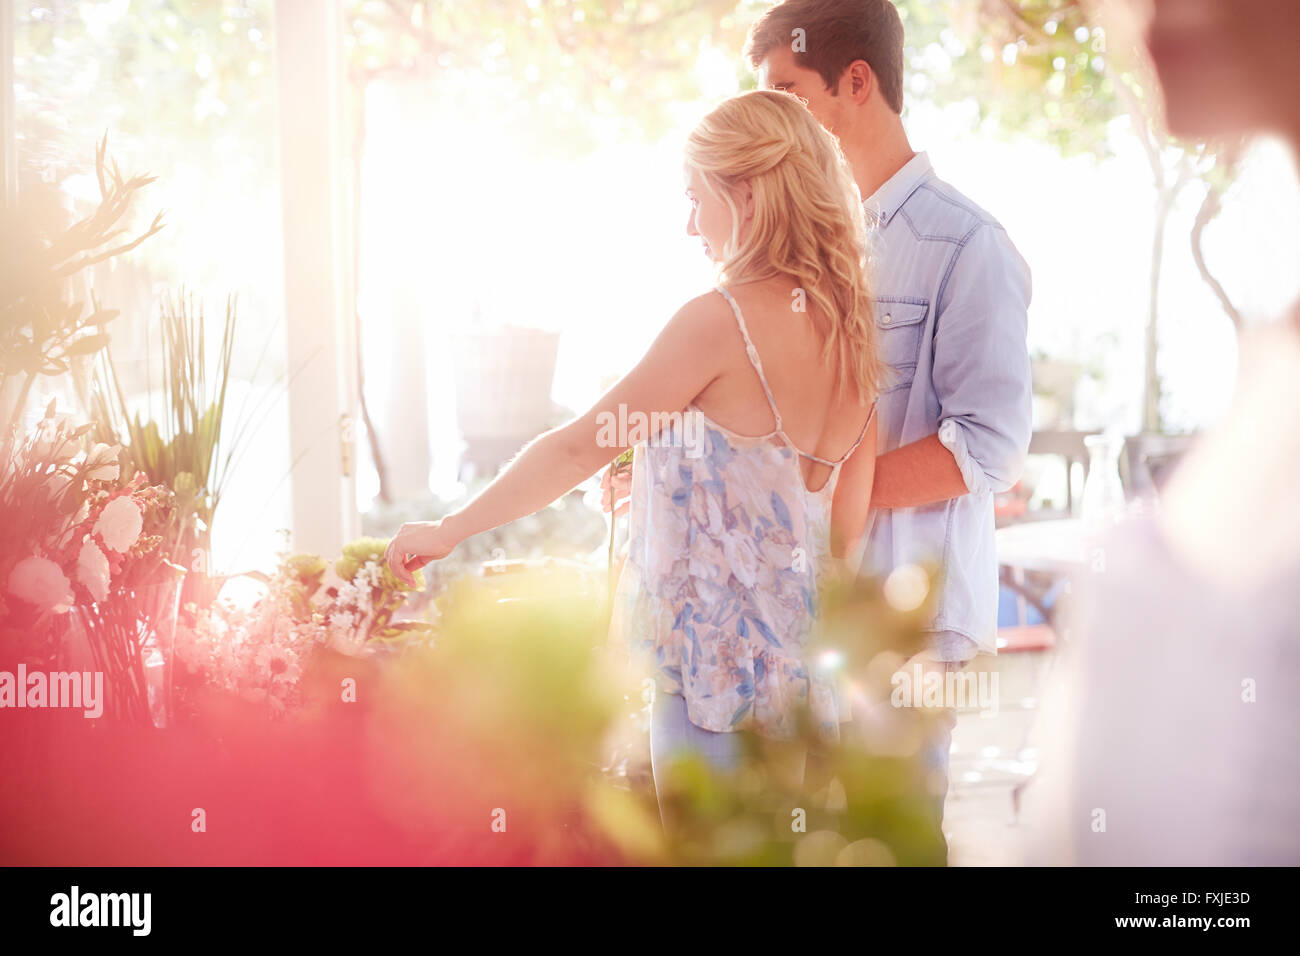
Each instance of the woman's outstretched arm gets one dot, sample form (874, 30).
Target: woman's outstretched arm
(683, 360)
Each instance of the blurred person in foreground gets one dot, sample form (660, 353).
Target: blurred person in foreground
(1175, 739)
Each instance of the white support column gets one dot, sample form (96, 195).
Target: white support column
(8, 141)
(311, 77)
(399, 147)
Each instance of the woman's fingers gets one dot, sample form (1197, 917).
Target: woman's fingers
(397, 557)
(615, 488)
(388, 557)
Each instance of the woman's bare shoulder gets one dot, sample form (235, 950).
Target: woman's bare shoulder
(707, 317)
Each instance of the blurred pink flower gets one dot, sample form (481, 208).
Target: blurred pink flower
(41, 582)
(120, 524)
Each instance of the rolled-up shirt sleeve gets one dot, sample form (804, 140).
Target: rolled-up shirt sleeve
(981, 361)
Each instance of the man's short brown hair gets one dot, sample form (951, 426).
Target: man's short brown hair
(835, 34)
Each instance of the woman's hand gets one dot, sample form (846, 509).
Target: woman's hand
(616, 486)
(415, 545)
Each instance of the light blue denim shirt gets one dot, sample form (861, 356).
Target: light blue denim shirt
(952, 296)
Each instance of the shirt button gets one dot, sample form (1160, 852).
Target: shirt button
(888, 318)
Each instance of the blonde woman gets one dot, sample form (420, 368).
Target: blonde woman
(761, 396)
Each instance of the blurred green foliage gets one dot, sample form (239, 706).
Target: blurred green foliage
(180, 446)
(41, 333)
(1035, 68)
(1074, 73)
(563, 74)
(864, 799)
(201, 71)
(518, 705)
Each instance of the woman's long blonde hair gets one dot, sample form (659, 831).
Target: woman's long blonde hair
(807, 222)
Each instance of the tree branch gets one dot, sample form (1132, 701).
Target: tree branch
(1142, 128)
(1210, 208)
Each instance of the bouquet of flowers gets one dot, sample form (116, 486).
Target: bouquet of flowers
(310, 606)
(124, 567)
(79, 549)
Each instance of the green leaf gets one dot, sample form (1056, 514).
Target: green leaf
(88, 344)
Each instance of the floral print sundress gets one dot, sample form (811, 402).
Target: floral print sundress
(718, 595)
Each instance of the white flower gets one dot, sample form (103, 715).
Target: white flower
(345, 635)
(349, 595)
(366, 578)
(41, 582)
(102, 463)
(120, 523)
(55, 485)
(313, 633)
(92, 570)
(279, 662)
(54, 444)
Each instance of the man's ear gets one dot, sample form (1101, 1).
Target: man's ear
(859, 82)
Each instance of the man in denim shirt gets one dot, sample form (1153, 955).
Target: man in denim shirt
(952, 297)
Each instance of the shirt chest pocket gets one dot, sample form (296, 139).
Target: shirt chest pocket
(900, 324)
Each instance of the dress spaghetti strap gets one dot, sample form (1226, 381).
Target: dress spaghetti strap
(861, 435)
(757, 363)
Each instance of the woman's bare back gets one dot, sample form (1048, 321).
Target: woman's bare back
(789, 345)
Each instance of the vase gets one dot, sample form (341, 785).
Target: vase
(129, 637)
(201, 588)
(1103, 491)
